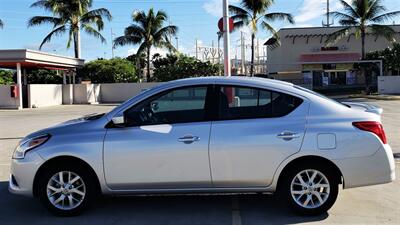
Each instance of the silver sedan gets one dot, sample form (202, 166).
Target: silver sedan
(208, 135)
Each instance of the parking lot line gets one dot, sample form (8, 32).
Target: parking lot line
(236, 219)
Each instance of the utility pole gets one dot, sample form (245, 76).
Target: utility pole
(177, 43)
(242, 53)
(328, 23)
(227, 60)
(212, 49)
(218, 55)
(197, 49)
(112, 43)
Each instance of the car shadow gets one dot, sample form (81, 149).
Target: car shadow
(173, 210)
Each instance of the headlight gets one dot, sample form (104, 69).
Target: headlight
(29, 144)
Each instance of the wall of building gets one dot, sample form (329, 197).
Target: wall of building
(6, 101)
(286, 56)
(86, 93)
(389, 85)
(41, 95)
(120, 92)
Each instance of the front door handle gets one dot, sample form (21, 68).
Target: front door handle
(188, 139)
(288, 135)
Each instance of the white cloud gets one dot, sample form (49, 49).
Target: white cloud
(160, 51)
(214, 7)
(314, 9)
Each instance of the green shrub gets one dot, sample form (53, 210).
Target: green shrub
(115, 70)
(174, 67)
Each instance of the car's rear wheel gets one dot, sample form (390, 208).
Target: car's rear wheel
(65, 190)
(310, 189)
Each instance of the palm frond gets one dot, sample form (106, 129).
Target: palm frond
(90, 30)
(375, 7)
(279, 16)
(337, 35)
(342, 16)
(165, 31)
(238, 25)
(166, 44)
(385, 17)
(127, 40)
(97, 13)
(135, 30)
(56, 32)
(269, 28)
(349, 9)
(235, 10)
(39, 20)
(383, 30)
(257, 7)
(70, 38)
(1, 24)
(142, 49)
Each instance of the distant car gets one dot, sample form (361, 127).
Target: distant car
(208, 135)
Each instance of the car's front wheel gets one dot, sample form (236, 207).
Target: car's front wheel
(310, 190)
(65, 190)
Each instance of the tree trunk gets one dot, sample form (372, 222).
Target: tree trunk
(253, 36)
(77, 43)
(363, 72)
(148, 65)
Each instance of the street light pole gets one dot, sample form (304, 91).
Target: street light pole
(227, 60)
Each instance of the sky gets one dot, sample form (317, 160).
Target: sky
(196, 19)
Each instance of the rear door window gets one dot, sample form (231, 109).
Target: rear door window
(236, 102)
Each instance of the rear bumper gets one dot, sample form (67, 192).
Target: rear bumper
(370, 170)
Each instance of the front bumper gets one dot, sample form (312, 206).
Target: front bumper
(23, 173)
(370, 170)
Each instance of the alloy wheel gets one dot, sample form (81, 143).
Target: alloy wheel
(310, 189)
(66, 190)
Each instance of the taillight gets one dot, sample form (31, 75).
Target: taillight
(374, 127)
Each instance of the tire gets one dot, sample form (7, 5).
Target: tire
(57, 198)
(309, 197)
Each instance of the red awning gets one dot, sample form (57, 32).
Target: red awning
(330, 57)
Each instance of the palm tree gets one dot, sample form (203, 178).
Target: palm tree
(147, 30)
(361, 17)
(252, 13)
(71, 16)
(1, 24)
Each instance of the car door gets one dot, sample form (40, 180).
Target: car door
(256, 130)
(164, 143)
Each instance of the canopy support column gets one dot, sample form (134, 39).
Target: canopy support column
(19, 84)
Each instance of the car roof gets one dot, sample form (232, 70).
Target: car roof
(252, 81)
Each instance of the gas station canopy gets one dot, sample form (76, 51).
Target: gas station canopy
(21, 59)
(30, 59)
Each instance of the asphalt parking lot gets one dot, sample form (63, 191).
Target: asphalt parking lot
(368, 205)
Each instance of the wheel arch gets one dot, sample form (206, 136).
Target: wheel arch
(315, 160)
(63, 159)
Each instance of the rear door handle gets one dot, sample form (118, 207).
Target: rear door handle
(287, 135)
(187, 139)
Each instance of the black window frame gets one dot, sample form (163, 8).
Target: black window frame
(209, 104)
(217, 93)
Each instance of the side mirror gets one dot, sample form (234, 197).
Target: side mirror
(118, 120)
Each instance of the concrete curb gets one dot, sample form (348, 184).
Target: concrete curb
(376, 97)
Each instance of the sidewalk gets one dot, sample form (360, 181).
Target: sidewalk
(376, 97)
